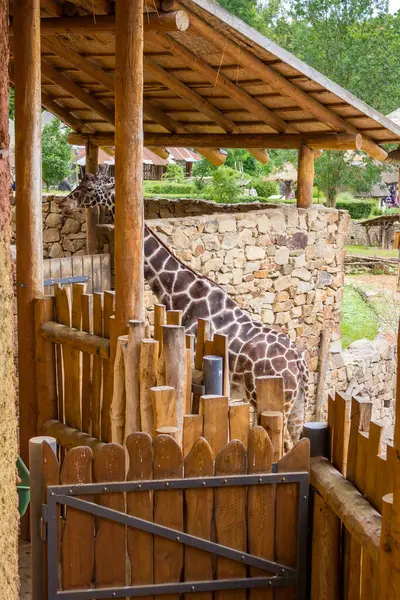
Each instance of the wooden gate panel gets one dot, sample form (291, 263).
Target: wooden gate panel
(96, 267)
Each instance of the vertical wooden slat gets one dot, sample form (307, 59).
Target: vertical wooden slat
(75, 358)
(117, 409)
(199, 512)
(159, 322)
(215, 421)
(46, 384)
(174, 349)
(389, 588)
(139, 447)
(287, 499)
(48, 290)
(168, 511)
(98, 366)
(203, 333)
(331, 424)
(221, 349)
(239, 422)
(174, 317)
(192, 431)
(341, 433)
(260, 506)
(87, 364)
(272, 421)
(77, 550)
(105, 271)
(110, 556)
(326, 568)
(188, 380)
(109, 301)
(361, 411)
(164, 406)
(96, 262)
(132, 383)
(230, 516)
(64, 371)
(361, 464)
(87, 270)
(147, 379)
(270, 393)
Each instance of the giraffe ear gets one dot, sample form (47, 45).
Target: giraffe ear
(108, 186)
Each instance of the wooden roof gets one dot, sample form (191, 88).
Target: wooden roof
(217, 76)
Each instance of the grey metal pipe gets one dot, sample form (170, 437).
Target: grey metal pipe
(213, 374)
(317, 433)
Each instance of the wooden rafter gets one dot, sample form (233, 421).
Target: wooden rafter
(77, 92)
(174, 84)
(51, 7)
(63, 114)
(341, 141)
(225, 84)
(172, 21)
(281, 84)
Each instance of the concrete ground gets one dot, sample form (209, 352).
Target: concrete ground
(25, 570)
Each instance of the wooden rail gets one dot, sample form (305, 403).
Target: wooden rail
(80, 340)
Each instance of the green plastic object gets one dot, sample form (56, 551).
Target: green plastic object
(23, 488)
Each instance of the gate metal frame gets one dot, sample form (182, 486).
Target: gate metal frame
(283, 575)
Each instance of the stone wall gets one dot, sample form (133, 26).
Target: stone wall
(357, 236)
(284, 265)
(368, 369)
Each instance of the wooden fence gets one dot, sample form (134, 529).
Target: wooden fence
(352, 505)
(259, 520)
(96, 267)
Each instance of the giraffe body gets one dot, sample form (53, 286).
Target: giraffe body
(254, 349)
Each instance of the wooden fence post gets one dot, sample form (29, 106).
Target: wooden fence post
(174, 347)
(325, 583)
(37, 495)
(46, 387)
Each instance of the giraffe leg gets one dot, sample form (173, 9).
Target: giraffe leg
(296, 416)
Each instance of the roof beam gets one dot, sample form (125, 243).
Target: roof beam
(344, 141)
(169, 21)
(281, 84)
(225, 84)
(63, 114)
(51, 7)
(108, 80)
(174, 84)
(77, 92)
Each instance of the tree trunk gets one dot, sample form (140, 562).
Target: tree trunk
(331, 198)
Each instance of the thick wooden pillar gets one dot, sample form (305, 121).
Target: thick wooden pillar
(92, 214)
(305, 177)
(28, 180)
(129, 217)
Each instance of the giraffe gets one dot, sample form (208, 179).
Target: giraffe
(254, 349)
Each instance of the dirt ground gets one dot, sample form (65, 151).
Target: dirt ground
(25, 570)
(378, 283)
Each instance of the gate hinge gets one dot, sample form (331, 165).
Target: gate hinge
(43, 523)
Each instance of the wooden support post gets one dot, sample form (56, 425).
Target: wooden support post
(92, 214)
(29, 205)
(36, 501)
(129, 213)
(174, 347)
(305, 177)
(272, 421)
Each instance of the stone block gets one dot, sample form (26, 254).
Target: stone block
(211, 242)
(255, 253)
(267, 317)
(229, 241)
(51, 235)
(56, 251)
(226, 225)
(263, 223)
(53, 220)
(302, 274)
(282, 283)
(282, 256)
(278, 223)
(282, 318)
(70, 226)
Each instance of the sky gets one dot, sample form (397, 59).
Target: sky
(394, 5)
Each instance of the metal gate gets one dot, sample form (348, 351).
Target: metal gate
(277, 575)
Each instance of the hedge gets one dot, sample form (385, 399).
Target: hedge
(358, 209)
(170, 187)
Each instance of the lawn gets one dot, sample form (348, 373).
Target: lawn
(359, 320)
(372, 251)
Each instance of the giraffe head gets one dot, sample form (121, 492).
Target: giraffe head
(93, 190)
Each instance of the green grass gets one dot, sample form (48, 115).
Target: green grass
(372, 251)
(359, 320)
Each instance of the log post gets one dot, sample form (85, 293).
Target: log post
(92, 214)
(129, 213)
(305, 177)
(28, 177)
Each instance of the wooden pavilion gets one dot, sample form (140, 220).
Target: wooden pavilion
(161, 73)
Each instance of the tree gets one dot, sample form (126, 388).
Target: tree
(56, 153)
(338, 171)
(225, 186)
(174, 173)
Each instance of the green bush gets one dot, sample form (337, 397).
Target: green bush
(169, 187)
(358, 209)
(175, 173)
(225, 185)
(265, 188)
